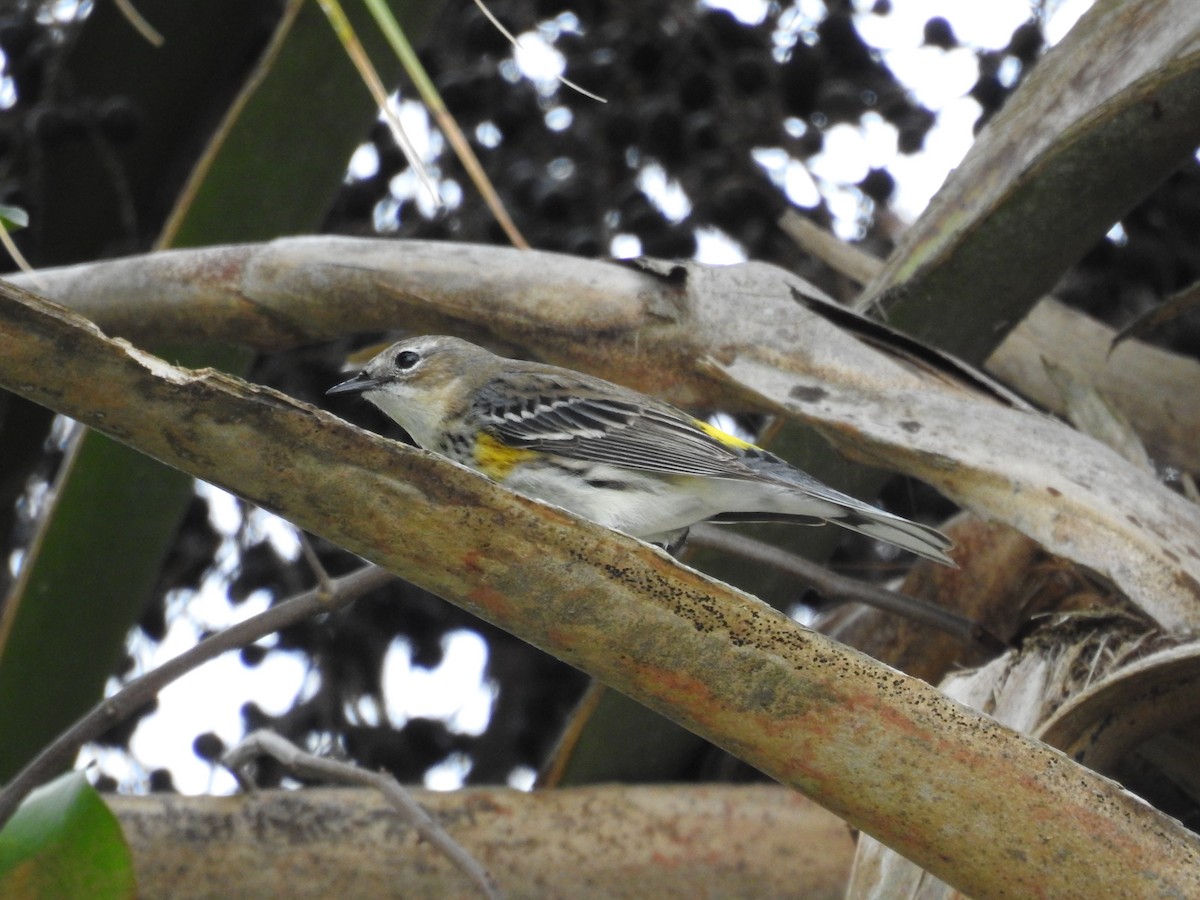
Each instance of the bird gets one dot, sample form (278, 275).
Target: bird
(607, 453)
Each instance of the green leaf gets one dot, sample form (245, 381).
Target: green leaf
(65, 842)
(13, 217)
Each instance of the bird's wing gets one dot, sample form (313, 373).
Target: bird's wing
(570, 417)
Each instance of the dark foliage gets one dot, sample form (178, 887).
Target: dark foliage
(691, 91)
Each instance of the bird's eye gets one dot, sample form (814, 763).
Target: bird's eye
(407, 360)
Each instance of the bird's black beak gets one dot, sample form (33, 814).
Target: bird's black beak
(356, 385)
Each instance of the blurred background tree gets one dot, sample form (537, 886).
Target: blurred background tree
(709, 135)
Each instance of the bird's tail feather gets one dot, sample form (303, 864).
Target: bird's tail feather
(914, 537)
(805, 494)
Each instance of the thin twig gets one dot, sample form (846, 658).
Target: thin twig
(19, 258)
(314, 563)
(445, 121)
(62, 750)
(839, 587)
(516, 45)
(306, 765)
(139, 23)
(845, 258)
(354, 49)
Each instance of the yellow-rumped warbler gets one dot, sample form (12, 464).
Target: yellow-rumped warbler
(607, 453)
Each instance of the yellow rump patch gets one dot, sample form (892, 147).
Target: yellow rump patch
(723, 437)
(496, 460)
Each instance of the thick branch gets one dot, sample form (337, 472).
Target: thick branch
(662, 842)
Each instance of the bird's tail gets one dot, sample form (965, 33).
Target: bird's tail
(912, 536)
(799, 497)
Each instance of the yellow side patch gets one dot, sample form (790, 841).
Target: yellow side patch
(723, 437)
(497, 460)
